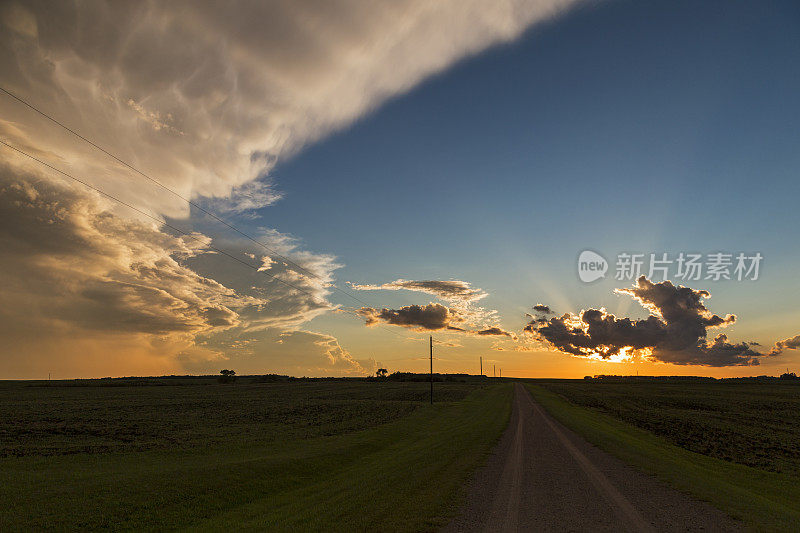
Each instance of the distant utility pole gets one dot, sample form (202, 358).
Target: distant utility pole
(481, 366)
(494, 371)
(501, 373)
(431, 369)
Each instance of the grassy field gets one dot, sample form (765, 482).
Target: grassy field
(346, 455)
(110, 416)
(690, 434)
(751, 423)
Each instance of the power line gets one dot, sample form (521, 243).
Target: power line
(178, 195)
(176, 229)
(187, 200)
(148, 215)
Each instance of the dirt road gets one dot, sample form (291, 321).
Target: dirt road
(543, 477)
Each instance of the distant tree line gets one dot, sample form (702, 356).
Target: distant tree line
(413, 377)
(616, 379)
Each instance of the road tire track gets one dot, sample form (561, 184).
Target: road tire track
(543, 477)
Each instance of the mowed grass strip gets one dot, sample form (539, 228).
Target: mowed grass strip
(765, 501)
(406, 475)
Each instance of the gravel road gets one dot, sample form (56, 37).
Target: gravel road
(543, 477)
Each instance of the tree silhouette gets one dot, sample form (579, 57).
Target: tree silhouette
(382, 373)
(227, 376)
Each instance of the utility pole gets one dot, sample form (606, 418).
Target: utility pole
(431, 369)
(494, 371)
(501, 373)
(481, 366)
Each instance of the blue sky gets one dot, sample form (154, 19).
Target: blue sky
(656, 126)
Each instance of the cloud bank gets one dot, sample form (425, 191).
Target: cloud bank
(90, 293)
(675, 332)
(208, 96)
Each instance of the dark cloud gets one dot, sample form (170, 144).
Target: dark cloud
(541, 308)
(494, 331)
(675, 332)
(433, 316)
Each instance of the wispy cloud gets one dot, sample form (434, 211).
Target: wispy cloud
(247, 198)
(449, 290)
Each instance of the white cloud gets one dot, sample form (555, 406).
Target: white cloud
(207, 96)
(454, 291)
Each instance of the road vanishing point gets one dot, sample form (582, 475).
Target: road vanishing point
(543, 477)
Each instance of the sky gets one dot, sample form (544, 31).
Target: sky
(388, 171)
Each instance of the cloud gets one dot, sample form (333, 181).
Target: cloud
(209, 96)
(460, 297)
(68, 263)
(291, 294)
(494, 331)
(78, 280)
(76, 277)
(675, 332)
(541, 308)
(154, 118)
(433, 316)
(293, 352)
(792, 343)
(246, 198)
(450, 290)
(514, 348)
(448, 344)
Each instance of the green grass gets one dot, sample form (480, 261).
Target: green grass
(752, 423)
(765, 501)
(406, 474)
(90, 418)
